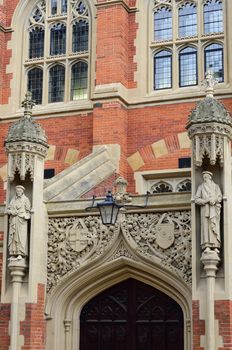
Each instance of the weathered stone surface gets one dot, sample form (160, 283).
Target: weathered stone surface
(80, 178)
(209, 110)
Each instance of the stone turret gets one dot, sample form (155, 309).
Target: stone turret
(25, 140)
(209, 125)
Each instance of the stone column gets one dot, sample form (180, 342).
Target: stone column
(17, 272)
(210, 261)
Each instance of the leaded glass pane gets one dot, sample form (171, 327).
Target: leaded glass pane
(188, 67)
(58, 39)
(163, 24)
(187, 20)
(53, 7)
(214, 60)
(163, 70)
(79, 81)
(35, 84)
(64, 6)
(213, 17)
(56, 83)
(36, 43)
(80, 38)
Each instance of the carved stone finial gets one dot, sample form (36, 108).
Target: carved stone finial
(209, 82)
(121, 196)
(28, 104)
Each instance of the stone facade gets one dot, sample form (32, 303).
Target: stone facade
(124, 128)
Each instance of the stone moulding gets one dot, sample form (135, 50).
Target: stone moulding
(158, 238)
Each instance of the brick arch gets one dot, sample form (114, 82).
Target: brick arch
(175, 145)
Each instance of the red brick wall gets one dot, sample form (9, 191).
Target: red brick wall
(116, 32)
(4, 326)
(223, 313)
(33, 328)
(198, 326)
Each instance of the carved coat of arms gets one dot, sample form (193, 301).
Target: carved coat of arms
(78, 236)
(165, 235)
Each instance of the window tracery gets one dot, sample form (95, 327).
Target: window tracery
(199, 25)
(58, 32)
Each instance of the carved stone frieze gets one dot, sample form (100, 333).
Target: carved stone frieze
(166, 236)
(72, 241)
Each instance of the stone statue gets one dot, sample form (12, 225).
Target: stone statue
(209, 197)
(19, 211)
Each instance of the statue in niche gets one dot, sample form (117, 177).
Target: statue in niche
(209, 197)
(19, 211)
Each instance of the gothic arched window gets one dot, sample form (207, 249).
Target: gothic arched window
(35, 84)
(213, 16)
(163, 24)
(79, 82)
(163, 70)
(214, 60)
(187, 20)
(58, 37)
(188, 66)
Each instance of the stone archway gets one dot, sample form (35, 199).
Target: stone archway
(65, 304)
(131, 315)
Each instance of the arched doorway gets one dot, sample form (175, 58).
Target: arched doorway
(131, 316)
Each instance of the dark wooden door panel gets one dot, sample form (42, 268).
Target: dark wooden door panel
(131, 316)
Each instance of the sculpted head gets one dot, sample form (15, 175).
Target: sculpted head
(19, 190)
(207, 176)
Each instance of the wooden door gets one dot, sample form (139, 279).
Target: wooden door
(131, 316)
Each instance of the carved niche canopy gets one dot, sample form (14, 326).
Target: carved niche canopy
(208, 125)
(24, 141)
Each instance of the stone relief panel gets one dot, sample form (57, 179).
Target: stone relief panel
(164, 237)
(72, 241)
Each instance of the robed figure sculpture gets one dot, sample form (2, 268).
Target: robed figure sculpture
(19, 211)
(209, 197)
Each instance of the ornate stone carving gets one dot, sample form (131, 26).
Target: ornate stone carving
(120, 195)
(209, 82)
(209, 197)
(72, 241)
(161, 187)
(38, 14)
(24, 141)
(121, 252)
(170, 185)
(142, 233)
(80, 10)
(184, 186)
(19, 211)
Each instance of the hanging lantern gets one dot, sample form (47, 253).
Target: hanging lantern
(108, 210)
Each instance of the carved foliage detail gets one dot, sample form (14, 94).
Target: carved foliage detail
(166, 236)
(72, 241)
